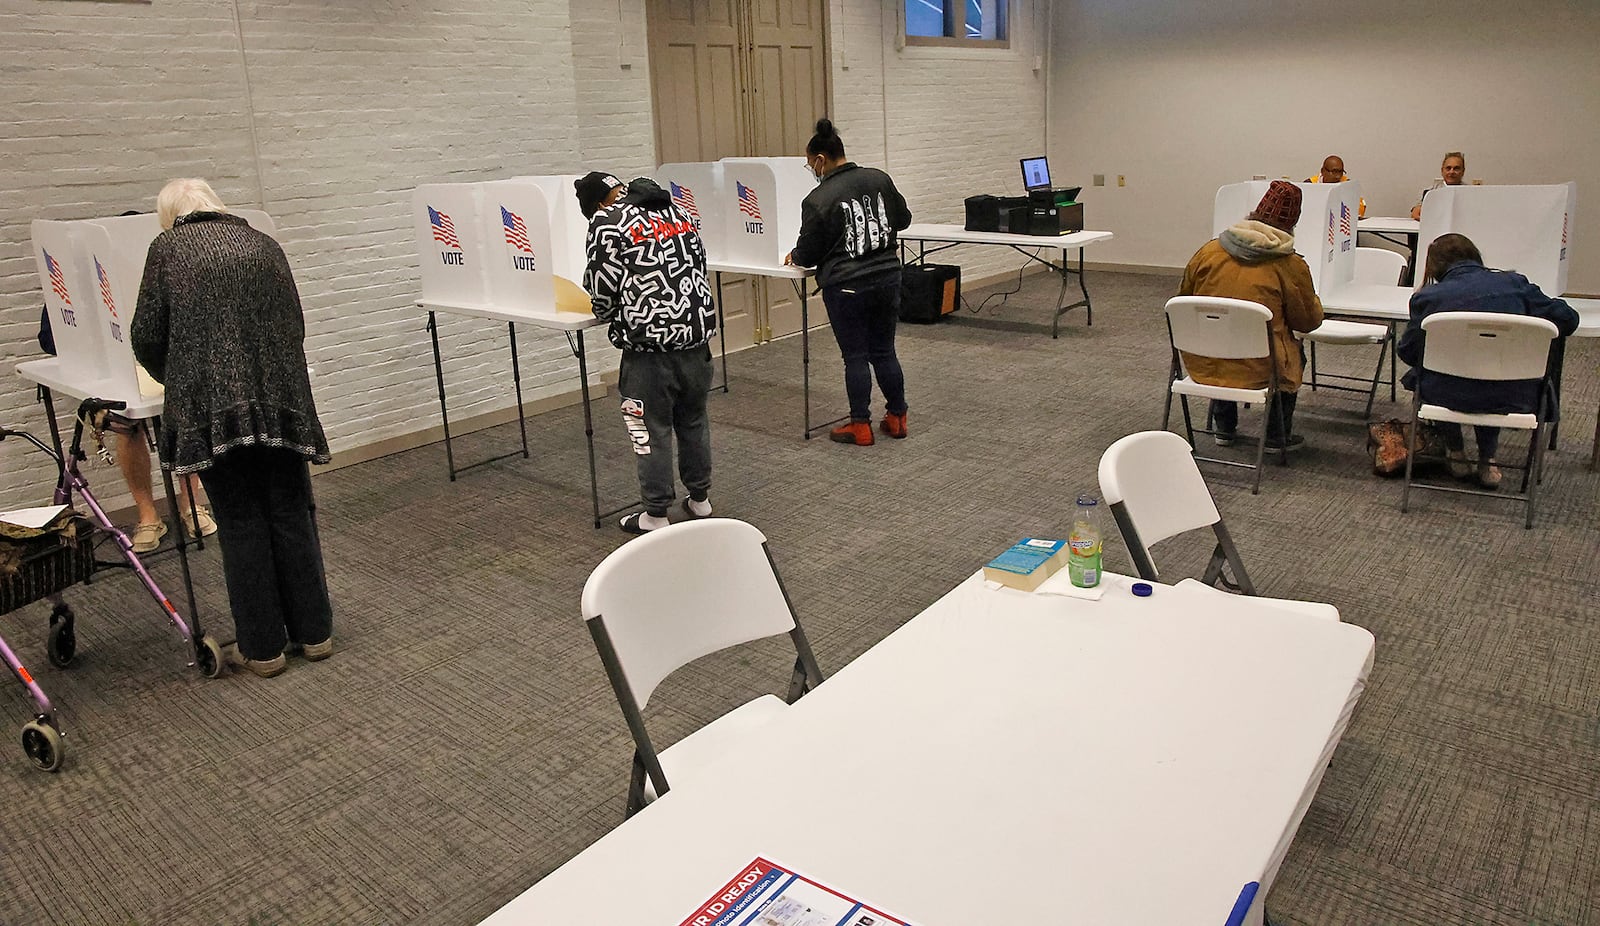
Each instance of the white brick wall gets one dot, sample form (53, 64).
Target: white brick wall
(327, 115)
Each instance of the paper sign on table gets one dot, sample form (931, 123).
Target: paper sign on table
(764, 894)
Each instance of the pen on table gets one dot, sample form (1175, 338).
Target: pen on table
(1247, 896)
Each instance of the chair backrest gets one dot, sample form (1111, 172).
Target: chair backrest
(1227, 329)
(1155, 490)
(1379, 266)
(675, 594)
(1487, 345)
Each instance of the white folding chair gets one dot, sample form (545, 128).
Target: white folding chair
(1223, 329)
(1379, 267)
(1373, 267)
(671, 596)
(1487, 346)
(1155, 491)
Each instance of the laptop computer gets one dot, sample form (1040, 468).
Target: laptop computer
(1036, 174)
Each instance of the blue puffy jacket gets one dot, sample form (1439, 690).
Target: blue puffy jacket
(1471, 287)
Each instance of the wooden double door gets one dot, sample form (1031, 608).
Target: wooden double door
(740, 78)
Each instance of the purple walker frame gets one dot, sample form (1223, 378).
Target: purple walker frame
(41, 736)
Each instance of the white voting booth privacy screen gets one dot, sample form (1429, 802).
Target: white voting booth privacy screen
(761, 207)
(569, 235)
(698, 190)
(1523, 228)
(513, 244)
(1325, 235)
(518, 260)
(90, 271)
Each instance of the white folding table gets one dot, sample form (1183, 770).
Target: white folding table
(1007, 757)
(949, 236)
(573, 325)
(799, 278)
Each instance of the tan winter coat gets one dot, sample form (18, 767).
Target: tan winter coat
(1255, 261)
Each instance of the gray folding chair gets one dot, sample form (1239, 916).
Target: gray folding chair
(676, 594)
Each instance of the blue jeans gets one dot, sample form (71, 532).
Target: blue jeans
(863, 320)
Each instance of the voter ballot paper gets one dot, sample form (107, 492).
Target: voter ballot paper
(764, 894)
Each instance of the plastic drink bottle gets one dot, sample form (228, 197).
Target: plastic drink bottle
(1083, 545)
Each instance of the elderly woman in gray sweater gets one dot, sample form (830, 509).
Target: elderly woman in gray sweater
(219, 323)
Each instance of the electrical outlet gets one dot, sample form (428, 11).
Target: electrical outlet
(1099, 179)
(1122, 180)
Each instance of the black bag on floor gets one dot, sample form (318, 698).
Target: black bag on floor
(929, 292)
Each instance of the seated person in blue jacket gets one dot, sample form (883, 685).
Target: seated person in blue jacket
(1457, 281)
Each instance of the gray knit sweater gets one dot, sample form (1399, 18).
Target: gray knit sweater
(219, 323)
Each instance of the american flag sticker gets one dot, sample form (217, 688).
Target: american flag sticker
(1330, 229)
(1344, 219)
(1565, 217)
(444, 230)
(516, 230)
(106, 298)
(58, 282)
(748, 204)
(683, 198)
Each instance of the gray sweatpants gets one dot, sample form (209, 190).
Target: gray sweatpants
(664, 394)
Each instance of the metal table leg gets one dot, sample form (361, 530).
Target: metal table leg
(722, 334)
(588, 424)
(1594, 452)
(805, 357)
(438, 375)
(803, 290)
(575, 342)
(1083, 286)
(196, 634)
(63, 493)
(516, 377)
(1558, 363)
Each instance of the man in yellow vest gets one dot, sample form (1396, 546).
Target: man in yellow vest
(1333, 172)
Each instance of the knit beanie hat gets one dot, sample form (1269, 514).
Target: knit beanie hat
(592, 189)
(1280, 207)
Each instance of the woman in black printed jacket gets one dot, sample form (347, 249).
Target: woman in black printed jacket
(847, 231)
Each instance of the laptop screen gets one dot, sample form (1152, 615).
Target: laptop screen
(1036, 173)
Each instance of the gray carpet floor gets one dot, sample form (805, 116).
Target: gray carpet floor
(463, 742)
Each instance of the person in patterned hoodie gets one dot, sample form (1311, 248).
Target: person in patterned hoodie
(646, 276)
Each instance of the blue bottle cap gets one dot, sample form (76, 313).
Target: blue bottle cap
(1142, 589)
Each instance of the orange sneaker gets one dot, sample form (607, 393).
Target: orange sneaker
(893, 425)
(856, 432)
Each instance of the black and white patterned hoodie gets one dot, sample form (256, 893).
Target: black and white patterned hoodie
(647, 273)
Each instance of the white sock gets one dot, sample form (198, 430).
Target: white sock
(699, 509)
(650, 522)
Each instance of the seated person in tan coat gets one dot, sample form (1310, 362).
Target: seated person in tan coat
(1255, 260)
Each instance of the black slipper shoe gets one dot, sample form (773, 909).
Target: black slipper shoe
(631, 525)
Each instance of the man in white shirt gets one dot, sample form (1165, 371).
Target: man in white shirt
(1453, 170)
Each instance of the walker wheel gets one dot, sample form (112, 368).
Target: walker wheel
(62, 644)
(208, 657)
(42, 744)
